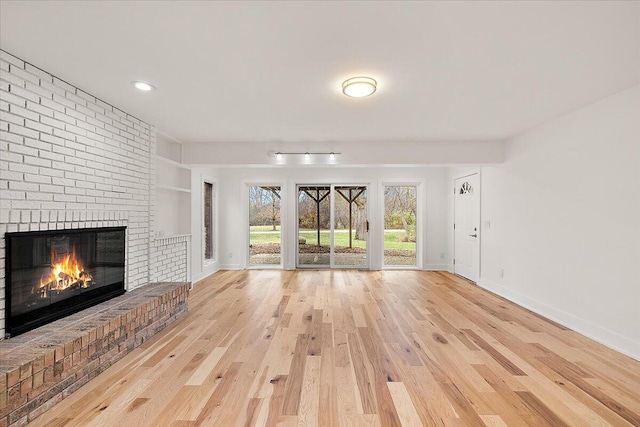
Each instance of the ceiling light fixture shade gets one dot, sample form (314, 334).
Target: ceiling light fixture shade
(307, 156)
(146, 87)
(359, 87)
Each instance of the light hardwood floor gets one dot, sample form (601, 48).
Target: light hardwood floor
(356, 348)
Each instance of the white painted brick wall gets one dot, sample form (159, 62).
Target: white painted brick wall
(69, 160)
(170, 259)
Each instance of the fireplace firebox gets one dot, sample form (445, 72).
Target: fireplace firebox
(52, 274)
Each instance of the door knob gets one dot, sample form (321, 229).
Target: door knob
(473, 235)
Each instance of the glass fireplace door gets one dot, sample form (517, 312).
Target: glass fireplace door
(51, 274)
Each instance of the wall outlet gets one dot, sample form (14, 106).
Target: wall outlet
(486, 224)
(230, 254)
(441, 255)
(502, 272)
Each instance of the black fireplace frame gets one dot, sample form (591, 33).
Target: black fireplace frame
(42, 316)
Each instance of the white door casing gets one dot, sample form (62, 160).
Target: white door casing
(466, 255)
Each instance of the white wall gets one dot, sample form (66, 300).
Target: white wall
(357, 153)
(565, 221)
(233, 205)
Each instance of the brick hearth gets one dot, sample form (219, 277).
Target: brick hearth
(41, 367)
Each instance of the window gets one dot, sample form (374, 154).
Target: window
(264, 225)
(400, 209)
(466, 188)
(209, 210)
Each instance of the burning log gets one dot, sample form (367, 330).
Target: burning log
(66, 272)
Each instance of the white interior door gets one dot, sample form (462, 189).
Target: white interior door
(466, 258)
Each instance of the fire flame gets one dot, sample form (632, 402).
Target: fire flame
(68, 271)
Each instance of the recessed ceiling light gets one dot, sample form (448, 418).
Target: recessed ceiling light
(143, 86)
(359, 87)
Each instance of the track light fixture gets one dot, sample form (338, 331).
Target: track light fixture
(280, 155)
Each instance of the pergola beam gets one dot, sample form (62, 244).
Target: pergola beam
(351, 199)
(318, 200)
(354, 193)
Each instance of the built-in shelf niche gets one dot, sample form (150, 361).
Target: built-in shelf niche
(173, 189)
(173, 175)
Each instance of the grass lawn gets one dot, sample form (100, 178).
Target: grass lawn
(264, 237)
(264, 228)
(392, 238)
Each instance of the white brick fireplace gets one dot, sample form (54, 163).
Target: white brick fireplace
(70, 160)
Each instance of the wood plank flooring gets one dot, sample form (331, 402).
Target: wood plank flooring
(354, 348)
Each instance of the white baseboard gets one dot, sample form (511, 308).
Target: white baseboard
(597, 333)
(437, 267)
(230, 267)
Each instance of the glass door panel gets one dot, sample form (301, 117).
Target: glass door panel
(400, 208)
(314, 225)
(264, 225)
(350, 226)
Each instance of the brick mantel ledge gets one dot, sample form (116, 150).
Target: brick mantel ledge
(41, 367)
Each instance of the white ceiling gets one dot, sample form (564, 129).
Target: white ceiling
(271, 71)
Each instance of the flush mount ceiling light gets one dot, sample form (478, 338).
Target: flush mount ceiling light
(359, 87)
(146, 87)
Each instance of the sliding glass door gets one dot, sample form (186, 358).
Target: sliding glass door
(351, 227)
(314, 226)
(332, 226)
